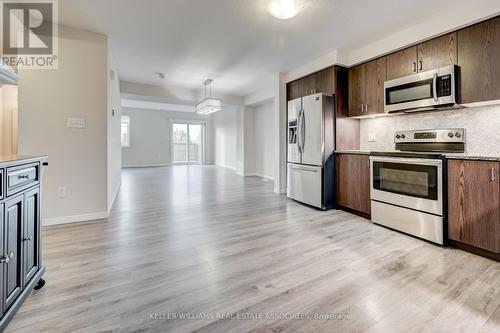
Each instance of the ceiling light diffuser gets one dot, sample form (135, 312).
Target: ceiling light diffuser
(283, 9)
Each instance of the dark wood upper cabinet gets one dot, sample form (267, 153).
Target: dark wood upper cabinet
(366, 88)
(320, 82)
(292, 90)
(357, 90)
(437, 52)
(375, 77)
(479, 61)
(353, 182)
(474, 204)
(326, 79)
(402, 63)
(305, 85)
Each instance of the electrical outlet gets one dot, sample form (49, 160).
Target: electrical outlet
(61, 192)
(372, 137)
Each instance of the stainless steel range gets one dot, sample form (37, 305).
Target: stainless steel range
(407, 187)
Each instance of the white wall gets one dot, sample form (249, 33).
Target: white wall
(264, 148)
(224, 125)
(114, 158)
(8, 120)
(150, 136)
(249, 138)
(77, 157)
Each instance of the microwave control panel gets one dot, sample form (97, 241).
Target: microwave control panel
(444, 85)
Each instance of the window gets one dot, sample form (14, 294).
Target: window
(125, 131)
(187, 143)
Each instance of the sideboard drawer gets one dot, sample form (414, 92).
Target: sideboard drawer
(22, 177)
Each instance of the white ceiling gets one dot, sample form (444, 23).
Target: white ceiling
(236, 42)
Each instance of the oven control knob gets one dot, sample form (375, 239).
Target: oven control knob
(403, 136)
(458, 134)
(451, 135)
(398, 136)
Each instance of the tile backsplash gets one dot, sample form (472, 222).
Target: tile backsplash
(482, 128)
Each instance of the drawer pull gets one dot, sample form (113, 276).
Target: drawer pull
(23, 177)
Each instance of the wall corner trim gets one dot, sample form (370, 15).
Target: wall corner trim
(110, 204)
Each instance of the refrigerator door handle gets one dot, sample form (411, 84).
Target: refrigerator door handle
(302, 131)
(299, 132)
(303, 169)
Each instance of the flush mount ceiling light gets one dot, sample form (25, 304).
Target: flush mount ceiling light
(283, 9)
(208, 105)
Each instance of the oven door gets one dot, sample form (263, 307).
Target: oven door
(408, 182)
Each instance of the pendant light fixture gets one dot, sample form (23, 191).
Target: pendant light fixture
(208, 105)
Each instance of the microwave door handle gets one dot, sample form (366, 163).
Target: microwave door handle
(434, 87)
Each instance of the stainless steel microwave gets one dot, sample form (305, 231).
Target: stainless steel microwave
(428, 90)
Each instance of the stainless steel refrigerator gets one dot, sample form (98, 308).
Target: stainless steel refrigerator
(311, 142)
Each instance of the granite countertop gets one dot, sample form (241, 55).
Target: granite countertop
(18, 158)
(472, 157)
(359, 152)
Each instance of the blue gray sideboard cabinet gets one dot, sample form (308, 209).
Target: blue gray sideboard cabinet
(21, 266)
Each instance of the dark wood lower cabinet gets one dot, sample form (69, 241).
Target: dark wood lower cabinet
(474, 204)
(353, 182)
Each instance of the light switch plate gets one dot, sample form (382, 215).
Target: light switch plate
(61, 192)
(76, 123)
(372, 137)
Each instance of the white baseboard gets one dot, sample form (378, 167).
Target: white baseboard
(226, 166)
(110, 204)
(280, 190)
(145, 166)
(257, 174)
(74, 218)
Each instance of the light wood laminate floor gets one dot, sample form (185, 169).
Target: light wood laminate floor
(202, 240)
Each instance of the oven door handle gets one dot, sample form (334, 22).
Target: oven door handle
(434, 87)
(420, 161)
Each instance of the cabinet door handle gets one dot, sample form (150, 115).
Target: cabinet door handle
(414, 66)
(6, 258)
(421, 65)
(28, 238)
(492, 174)
(366, 108)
